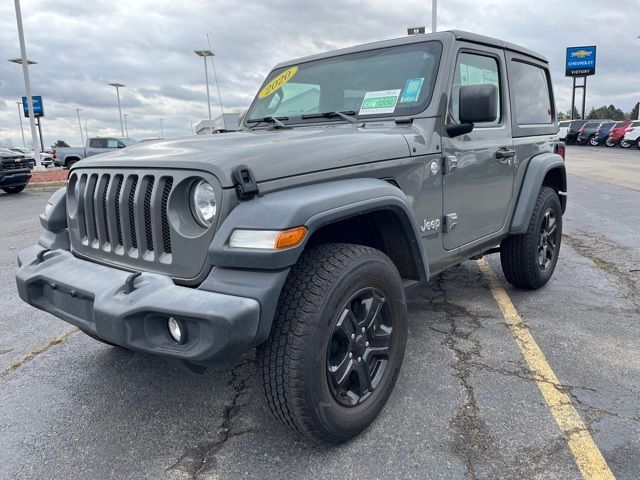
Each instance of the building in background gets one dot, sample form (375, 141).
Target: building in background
(231, 121)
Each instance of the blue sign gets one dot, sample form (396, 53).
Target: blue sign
(581, 61)
(38, 109)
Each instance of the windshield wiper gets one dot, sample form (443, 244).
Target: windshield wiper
(346, 115)
(275, 120)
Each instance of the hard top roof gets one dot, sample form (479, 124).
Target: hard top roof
(443, 36)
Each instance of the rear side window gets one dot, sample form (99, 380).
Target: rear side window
(530, 90)
(98, 143)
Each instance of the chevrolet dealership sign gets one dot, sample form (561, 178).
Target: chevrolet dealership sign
(581, 61)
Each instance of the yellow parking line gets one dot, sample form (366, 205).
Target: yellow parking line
(588, 457)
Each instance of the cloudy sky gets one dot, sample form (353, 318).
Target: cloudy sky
(81, 46)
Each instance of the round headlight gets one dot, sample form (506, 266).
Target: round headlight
(203, 203)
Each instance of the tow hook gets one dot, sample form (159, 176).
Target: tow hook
(129, 284)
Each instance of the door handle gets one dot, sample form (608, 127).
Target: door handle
(505, 153)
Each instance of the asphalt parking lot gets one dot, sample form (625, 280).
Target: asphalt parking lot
(468, 403)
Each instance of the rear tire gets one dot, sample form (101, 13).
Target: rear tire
(14, 189)
(593, 141)
(610, 143)
(325, 377)
(624, 143)
(528, 260)
(70, 164)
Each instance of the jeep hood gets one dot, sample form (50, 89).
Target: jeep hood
(270, 154)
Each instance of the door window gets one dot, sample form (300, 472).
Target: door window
(112, 143)
(530, 88)
(98, 143)
(473, 69)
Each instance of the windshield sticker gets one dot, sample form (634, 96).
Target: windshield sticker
(376, 103)
(277, 82)
(411, 90)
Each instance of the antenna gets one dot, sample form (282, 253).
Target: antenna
(215, 76)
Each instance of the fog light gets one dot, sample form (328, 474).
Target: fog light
(174, 329)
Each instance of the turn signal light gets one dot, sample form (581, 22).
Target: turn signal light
(290, 238)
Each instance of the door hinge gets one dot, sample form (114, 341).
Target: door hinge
(449, 164)
(450, 222)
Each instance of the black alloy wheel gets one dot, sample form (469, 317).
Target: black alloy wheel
(358, 351)
(548, 239)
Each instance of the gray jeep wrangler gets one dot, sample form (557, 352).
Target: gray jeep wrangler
(355, 175)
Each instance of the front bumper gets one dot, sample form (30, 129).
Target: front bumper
(15, 178)
(219, 327)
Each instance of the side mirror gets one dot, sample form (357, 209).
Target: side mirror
(478, 103)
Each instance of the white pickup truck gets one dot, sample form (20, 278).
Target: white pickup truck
(67, 156)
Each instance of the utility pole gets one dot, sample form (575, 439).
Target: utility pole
(24, 145)
(118, 85)
(80, 126)
(161, 128)
(27, 82)
(86, 134)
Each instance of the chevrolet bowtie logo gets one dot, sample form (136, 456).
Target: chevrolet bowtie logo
(581, 53)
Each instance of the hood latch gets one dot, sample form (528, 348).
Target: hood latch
(245, 182)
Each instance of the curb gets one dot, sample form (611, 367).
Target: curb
(45, 185)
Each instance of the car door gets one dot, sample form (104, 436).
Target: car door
(478, 166)
(96, 145)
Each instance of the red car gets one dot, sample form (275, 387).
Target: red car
(616, 133)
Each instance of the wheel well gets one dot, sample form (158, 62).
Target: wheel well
(556, 178)
(71, 159)
(382, 230)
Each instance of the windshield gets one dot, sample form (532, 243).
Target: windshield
(128, 141)
(394, 81)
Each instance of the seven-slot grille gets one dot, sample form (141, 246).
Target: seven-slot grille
(125, 213)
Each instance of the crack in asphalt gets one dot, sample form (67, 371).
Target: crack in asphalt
(473, 439)
(38, 351)
(586, 245)
(201, 458)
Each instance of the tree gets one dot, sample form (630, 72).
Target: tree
(634, 111)
(606, 113)
(60, 144)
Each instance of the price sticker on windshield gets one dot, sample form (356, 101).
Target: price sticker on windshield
(277, 82)
(380, 102)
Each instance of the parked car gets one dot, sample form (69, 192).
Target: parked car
(563, 129)
(15, 171)
(631, 135)
(46, 159)
(300, 241)
(574, 129)
(602, 132)
(68, 156)
(617, 133)
(587, 132)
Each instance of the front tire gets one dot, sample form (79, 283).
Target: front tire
(593, 141)
(624, 143)
(528, 260)
(17, 189)
(336, 344)
(610, 143)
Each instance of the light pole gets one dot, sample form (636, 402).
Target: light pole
(215, 76)
(434, 16)
(80, 126)
(21, 127)
(118, 85)
(27, 81)
(161, 128)
(126, 127)
(204, 54)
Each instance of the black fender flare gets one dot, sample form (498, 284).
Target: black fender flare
(537, 169)
(312, 206)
